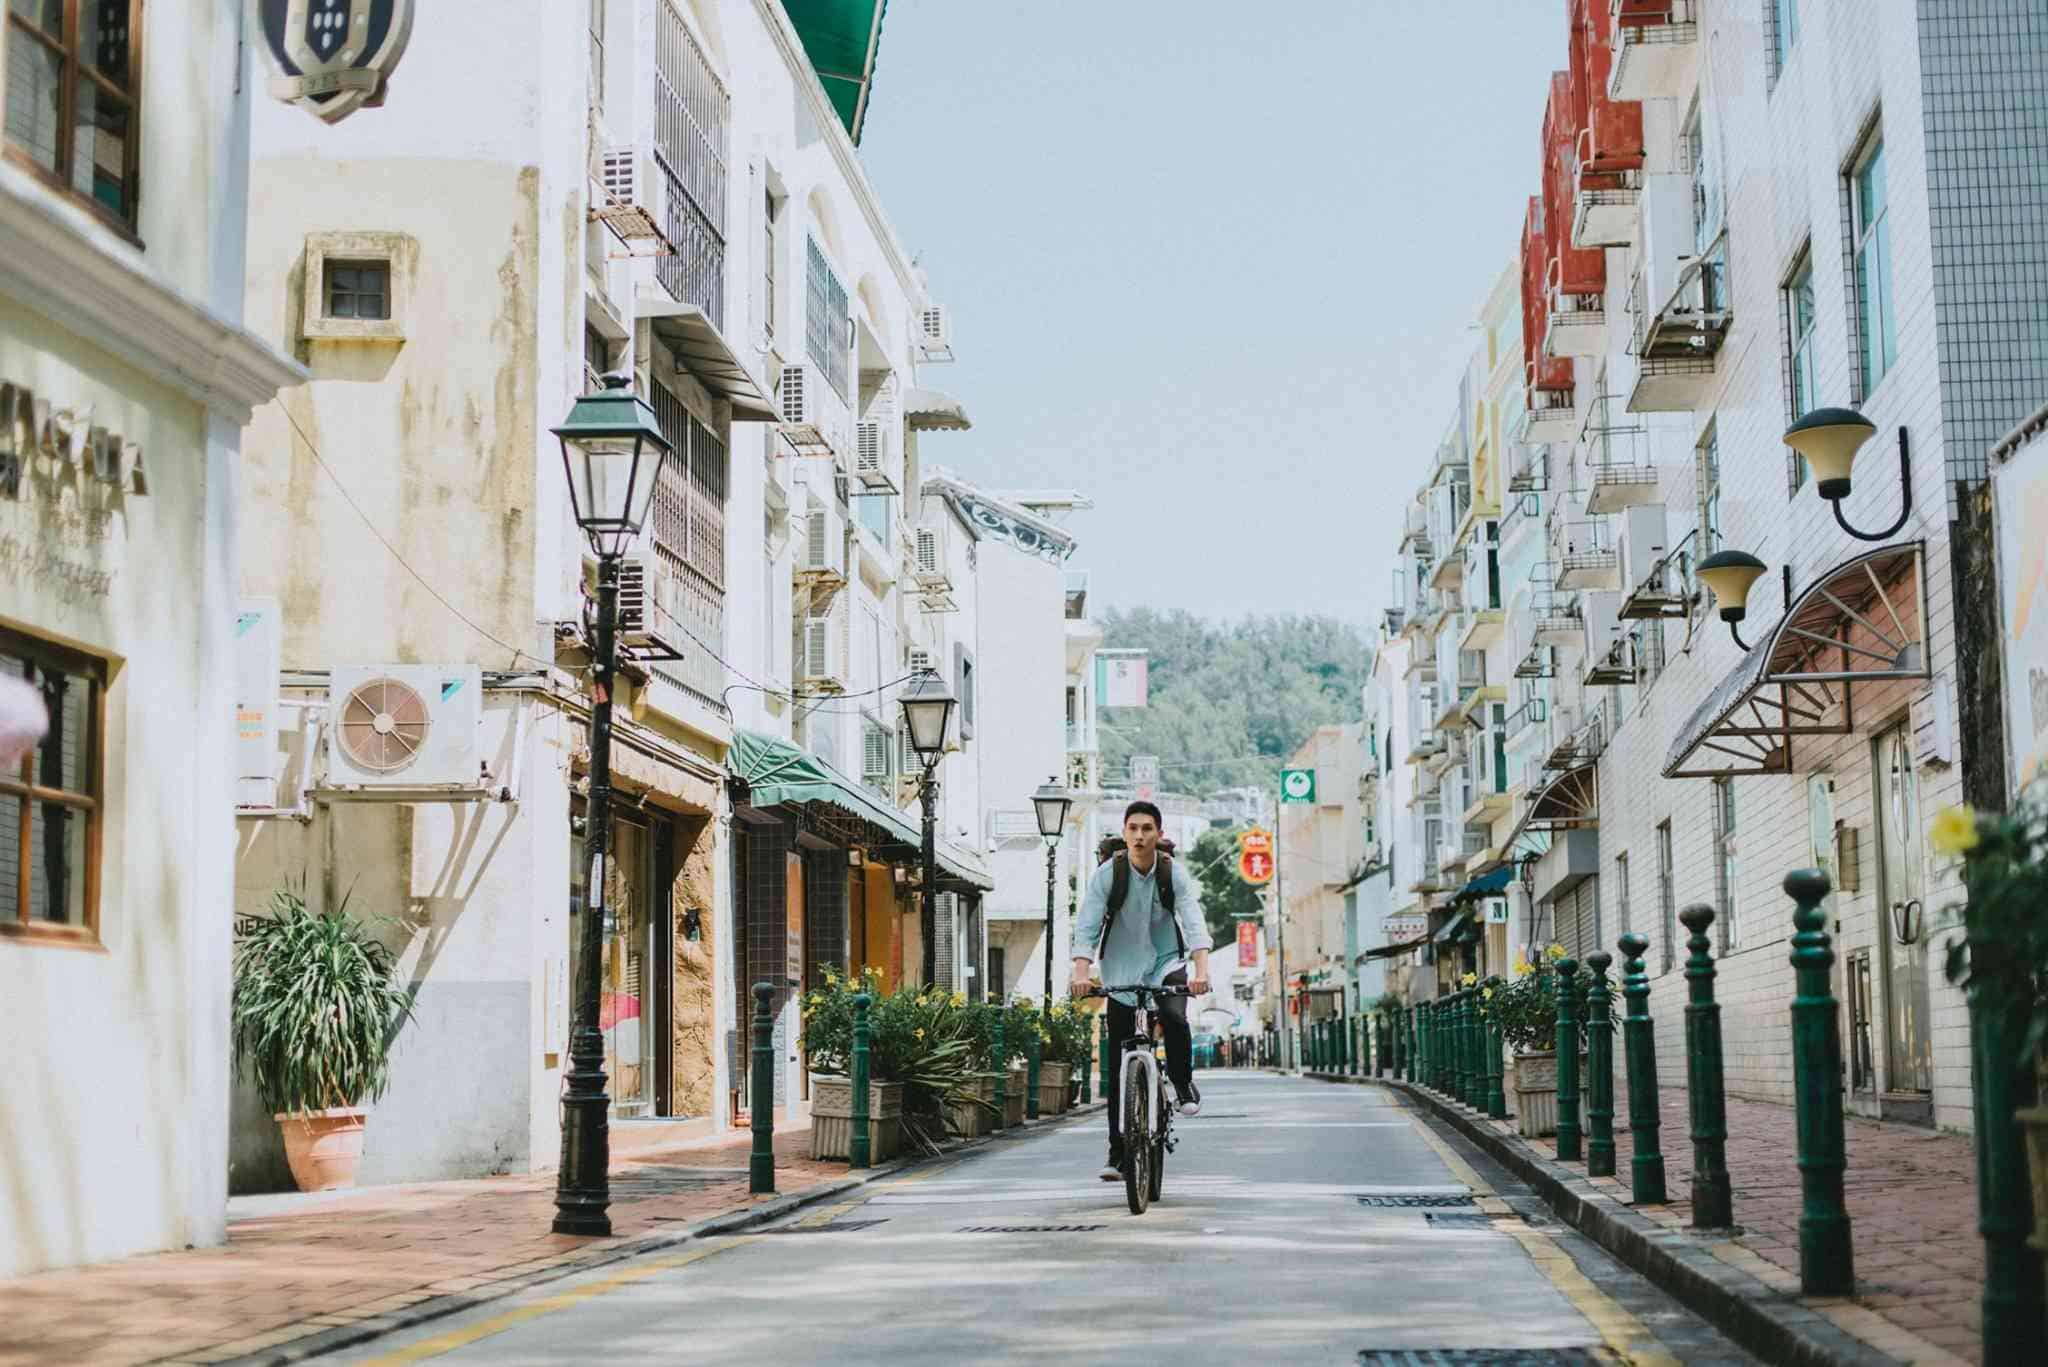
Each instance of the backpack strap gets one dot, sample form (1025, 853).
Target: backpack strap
(1120, 890)
(1162, 872)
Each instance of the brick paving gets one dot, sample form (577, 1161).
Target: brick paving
(325, 1262)
(1912, 1200)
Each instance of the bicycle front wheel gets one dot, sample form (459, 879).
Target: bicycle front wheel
(1137, 1130)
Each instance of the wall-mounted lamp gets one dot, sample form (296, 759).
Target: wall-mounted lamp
(1829, 438)
(1728, 575)
(693, 924)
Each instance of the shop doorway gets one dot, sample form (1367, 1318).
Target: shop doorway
(1901, 938)
(633, 988)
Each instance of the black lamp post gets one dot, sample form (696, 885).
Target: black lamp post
(1051, 803)
(927, 711)
(612, 450)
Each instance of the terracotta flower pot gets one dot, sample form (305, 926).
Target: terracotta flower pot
(323, 1147)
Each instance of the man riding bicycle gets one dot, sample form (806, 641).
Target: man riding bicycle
(1143, 916)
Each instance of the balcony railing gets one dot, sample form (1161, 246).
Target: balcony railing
(692, 114)
(1618, 458)
(1604, 201)
(1654, 45)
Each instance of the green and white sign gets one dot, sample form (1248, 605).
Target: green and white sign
(1297, 785)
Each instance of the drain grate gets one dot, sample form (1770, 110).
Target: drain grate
(836, 1227)
(1486, 1357)
(1028, 1229)
(1415, 1202)
(1437, 1221)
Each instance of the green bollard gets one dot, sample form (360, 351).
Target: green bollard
(761, 1094)
(1426, 1055)
(1034, 1051)
(1001, 1056)
(1496, 1072)
(1462, 1016)
(1827, 1260)
(2012, 1317)
(1409, 1063)
(1646, 1169)
(1599, 1062)
(1568, 1136)
(859, 1144)
(1713, 1198)
(1475, 1053)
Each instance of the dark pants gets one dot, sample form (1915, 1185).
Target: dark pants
(1172, 1015)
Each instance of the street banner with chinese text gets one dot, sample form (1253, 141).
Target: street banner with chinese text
(1247, 944)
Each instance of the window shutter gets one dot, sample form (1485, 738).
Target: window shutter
(945, 941)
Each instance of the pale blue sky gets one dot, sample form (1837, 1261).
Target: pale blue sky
(1212, 262)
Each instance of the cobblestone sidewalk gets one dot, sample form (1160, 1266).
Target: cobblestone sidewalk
(323, 1262)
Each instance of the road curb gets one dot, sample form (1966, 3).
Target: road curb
(729, 1222)
(1760, 1318)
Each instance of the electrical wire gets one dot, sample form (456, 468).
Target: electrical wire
(357, 509)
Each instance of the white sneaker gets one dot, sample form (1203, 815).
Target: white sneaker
(1191, 1104)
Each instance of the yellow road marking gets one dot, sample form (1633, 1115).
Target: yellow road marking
(462, 1338)
(1623, 1332)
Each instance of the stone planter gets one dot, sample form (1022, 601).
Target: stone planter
(1052, 1087)
(832, 1118)
(2034, 1121)
(1013, 1110)
(973, 1119)
(1533, 1080)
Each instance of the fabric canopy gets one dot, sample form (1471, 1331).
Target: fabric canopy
(1451, 927)
(841, 38)
(1483, 885)
(1389, 951)
(928, 410)
(780, 774)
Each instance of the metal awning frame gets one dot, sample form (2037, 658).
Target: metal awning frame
(704, 354)
(1568, 802)
(1788, 686)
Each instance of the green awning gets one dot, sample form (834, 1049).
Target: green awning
(841, 38)
(1451, 927)
(1484, 884)
(780, 774)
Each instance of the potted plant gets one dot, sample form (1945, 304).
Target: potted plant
(2001, 960)
(1020, 1023)
(974, 1114)
(828, 1046)
(316, 1005)
(1524, 1008)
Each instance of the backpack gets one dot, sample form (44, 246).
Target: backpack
(1120, 886)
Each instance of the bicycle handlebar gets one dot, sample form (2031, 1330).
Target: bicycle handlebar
(1166, 990)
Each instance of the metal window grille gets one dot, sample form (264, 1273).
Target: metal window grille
(1801, 393)
(692, 113)
(1877, 338)
(1621, 890)
(1708, 459)
(827, 339)
(771, 210)
(1724, 862)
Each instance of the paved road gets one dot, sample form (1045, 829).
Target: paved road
(1260, 1252)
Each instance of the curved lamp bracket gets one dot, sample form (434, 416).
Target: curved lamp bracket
(1905, 499)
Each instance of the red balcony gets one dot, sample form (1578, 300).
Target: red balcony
(1656, 43)
(1550, 414)
(1575, 278)
(1608, 151)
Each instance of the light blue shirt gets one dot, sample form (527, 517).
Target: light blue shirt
(1142, 947)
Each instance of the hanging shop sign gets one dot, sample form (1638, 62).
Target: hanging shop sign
(1255, 867)
(1297, 785)
(2020, 488)
(333, 57)
(1247, 944)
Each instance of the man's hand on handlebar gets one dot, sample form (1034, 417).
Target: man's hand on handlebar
(1084, 977)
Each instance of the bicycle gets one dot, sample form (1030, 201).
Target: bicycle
(1147, 1102)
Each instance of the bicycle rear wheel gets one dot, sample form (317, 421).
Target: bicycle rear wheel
(1137, 1131)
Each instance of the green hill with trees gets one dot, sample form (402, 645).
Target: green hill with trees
(1230, 700)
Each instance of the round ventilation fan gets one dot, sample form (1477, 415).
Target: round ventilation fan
(383, 726)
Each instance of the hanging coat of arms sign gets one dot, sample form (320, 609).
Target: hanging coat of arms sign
(332, 57)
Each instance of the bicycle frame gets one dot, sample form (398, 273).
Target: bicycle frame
(1137, 1050)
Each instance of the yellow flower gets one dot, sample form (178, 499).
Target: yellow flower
(1523, 968)
(816, 998)
(1954, 831)
(917, 1033)
(959, 999)
(1469, 979)
(1486, 994)
(1556, 952)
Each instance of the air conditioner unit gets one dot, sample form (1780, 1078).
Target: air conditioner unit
(621, 207)
(934, 333)
(824, 653)
(405, 726)
(872, 465)
(931, 558)
(919, 660)
(650, 616)
(822, 554)
(812, 413)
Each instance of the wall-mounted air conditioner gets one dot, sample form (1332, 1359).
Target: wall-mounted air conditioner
(813, 416)
(821, 554)
(650, 606)
(823, 666)
(934, 333)
(405, 726)
(931, 570)
(873, 456)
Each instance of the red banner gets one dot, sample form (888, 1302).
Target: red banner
(1247, 944)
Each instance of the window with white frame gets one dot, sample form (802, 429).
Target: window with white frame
(597, 57)
(1870, 232)
(771, 228)
(1799, 329)
(1782, 17)
(1667, 902)
(1724, 862)
(1707, 485)
(1621, 890)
